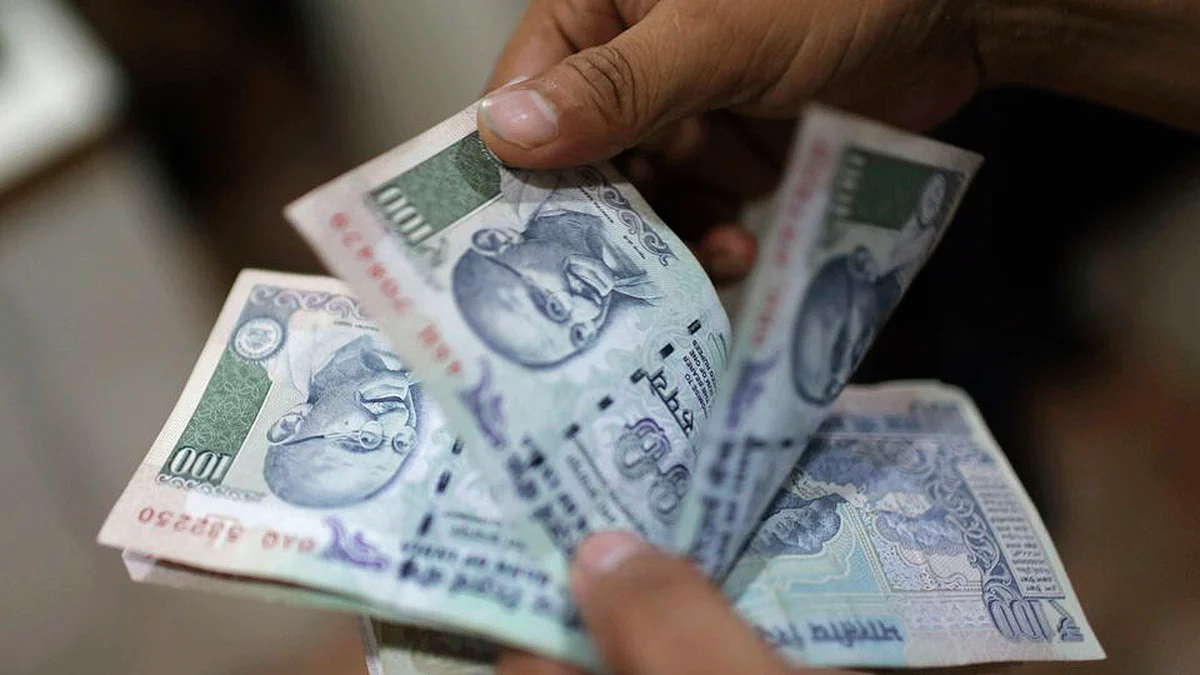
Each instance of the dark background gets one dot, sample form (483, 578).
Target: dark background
(995, 310)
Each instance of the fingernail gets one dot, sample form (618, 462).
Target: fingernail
(516, 80)
(522, 117)
(603, 552)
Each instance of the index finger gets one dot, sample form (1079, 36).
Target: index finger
(552, 30)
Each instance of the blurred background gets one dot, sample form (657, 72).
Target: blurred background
(147, 147)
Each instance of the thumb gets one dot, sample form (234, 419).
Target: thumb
(605, 99)
(648, 612)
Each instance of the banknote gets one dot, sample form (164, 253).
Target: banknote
(902, 539)
(569, 336)
(304, 462)
(392, 649)
(860, 209)
(580, 349)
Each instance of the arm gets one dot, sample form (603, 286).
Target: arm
(1138, 55)
(696, 93)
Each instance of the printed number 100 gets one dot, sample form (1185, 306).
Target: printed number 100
(207, 466)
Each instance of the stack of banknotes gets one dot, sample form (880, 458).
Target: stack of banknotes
(512, 360)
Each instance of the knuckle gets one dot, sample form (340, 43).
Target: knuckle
(588, 9)
(584, 22)
(612, 82)
(696, 13)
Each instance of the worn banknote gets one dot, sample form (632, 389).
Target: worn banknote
(580, 349)
(569, 336)
(903, 539)
(860, 209)
(305, 462)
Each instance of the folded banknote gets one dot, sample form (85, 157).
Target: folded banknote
(304, 463)
(903, 539)
(581, 352)
(522, 358)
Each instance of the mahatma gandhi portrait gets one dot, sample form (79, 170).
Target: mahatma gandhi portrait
(352, 436)
(851, 296)
(845, 304)
(541, 295)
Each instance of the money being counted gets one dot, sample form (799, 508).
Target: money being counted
(903, 539)
(549, 326)
(860, 209)
(304, 452)
(288, 472)
(568, 335)
(578, 346)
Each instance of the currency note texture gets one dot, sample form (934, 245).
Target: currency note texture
(306, 459)
(580, 348)
(860, 210)
(544, 358)
(902, 540)
(303, 463)
(567, 333)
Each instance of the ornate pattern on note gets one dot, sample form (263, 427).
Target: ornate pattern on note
(645, 235)
(353, 549)
(290, 300)
(485, 404)
(208, 489)
(924, 503)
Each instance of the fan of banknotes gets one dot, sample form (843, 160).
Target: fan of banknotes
(512, 360)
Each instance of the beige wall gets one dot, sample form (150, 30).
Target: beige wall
(104, 305)
(397, 67)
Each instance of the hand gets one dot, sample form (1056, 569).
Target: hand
(702, 90)
(649, 614)
(695, 94)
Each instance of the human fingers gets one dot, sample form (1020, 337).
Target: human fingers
(551, 30)
(606, 98)
(727, 252)
(715, 150)
(650, 613)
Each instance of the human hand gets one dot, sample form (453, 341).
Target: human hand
(696, 95)
(649, 613)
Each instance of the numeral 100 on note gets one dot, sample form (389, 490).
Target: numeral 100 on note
(207, 466)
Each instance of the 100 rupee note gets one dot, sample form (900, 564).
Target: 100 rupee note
(902, 540)
(902, 484)
(579, 348)
(549, 326)
(567, 333)
(859, 211)
(307, 458)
